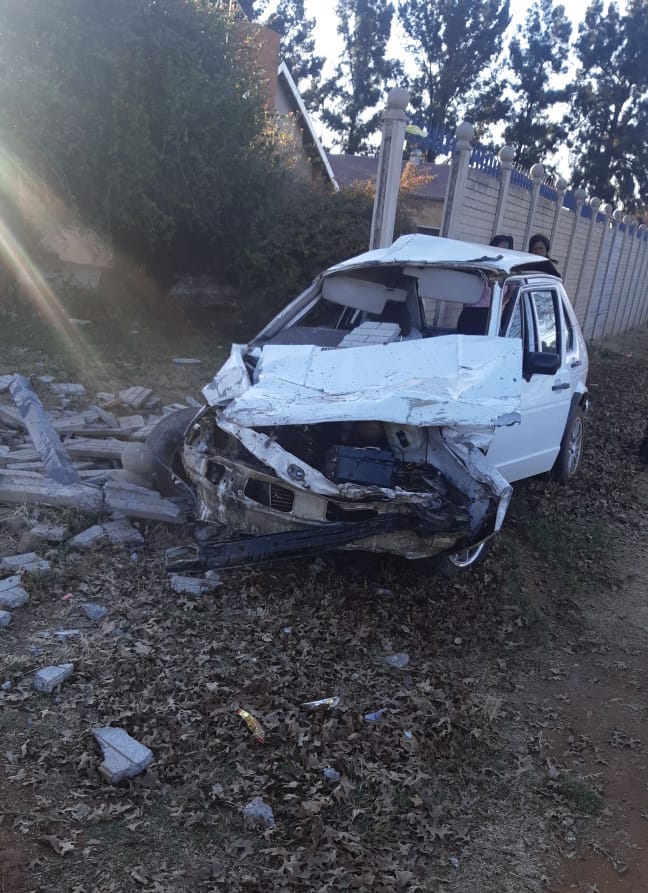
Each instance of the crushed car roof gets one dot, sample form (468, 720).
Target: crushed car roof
(421, 250)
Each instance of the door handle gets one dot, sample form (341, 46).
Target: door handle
(560, 387)
(576, 364)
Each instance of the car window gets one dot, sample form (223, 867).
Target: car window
(545, 309)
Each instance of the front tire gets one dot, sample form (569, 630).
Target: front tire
(571, 448)
(165, 442)
(465, 559)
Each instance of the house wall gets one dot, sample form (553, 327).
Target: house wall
(602, 256)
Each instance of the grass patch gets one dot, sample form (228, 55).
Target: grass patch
(584, 797)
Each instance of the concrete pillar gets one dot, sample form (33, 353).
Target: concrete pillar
(620, 308)
(537, 176)
(390, 162)
(642, 281)
(579, 195)
(635, 289)
(610, 284)
(603, 262)
(458, 179)
(561, 189)
(587, 261)
(506, 155)
(629, 282)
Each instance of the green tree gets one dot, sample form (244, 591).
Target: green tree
(297, 32)
(538, 52)
(363, 74)
(608, 116)
(452, 43)
(147, 117)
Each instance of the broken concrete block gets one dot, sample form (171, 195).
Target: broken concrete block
(5, 619)
(68, 389)
(135, 397)
(50, 533)
(5, 381)
(26, 488)
(12, 594)
(28, 563)
(137, 502)
(186, 361)
(110, 448)
(42, 432)
(122, 533)
(11, 417)
(131, 422)
(192, 586)
(89, 538)
(48, 678)
(123, 756)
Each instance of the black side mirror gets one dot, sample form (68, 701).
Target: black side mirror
(540, 363)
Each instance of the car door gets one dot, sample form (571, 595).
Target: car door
(531, 447)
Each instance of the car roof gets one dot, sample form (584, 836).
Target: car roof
(417, 250)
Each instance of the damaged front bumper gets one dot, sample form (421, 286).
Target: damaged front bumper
(249, 482)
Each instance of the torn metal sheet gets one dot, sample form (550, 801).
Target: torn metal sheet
(461, 381)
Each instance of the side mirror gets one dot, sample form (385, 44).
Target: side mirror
(540, 363)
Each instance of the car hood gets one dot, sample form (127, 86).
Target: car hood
(446, 381)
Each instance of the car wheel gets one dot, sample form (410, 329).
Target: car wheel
(165, 442)
(571, 448)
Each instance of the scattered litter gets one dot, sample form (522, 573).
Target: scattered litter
(123, 756)
(257, 812)
(192, 586)
(322, 704)
(63, 634)
(331, 775)
(186, 361)
(375, 716)
(7, 686)
(380, 590)
(94, 612)
(408, 735)
(253, 724)
(454, 861)
(5, 619)
(397, 661)
(48, 678)
(67, 597)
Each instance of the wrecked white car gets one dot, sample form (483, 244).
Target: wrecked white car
(390, 407)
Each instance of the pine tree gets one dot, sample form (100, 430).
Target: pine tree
(452, 43)
(539, 51)
(608, 117)
(363, 75)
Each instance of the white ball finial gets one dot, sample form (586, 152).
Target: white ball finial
(537, 173)
(595, 203)
(465, 132)
(607, 209)
(580, 195)
(398, 98)
(618, 215)
(506, 155)
(561, 184)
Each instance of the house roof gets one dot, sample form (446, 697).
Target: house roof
(349, 169)
(310, 135)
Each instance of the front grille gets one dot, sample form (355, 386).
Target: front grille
(281, 499)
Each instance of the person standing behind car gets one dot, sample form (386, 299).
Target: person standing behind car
(539, 244)
(502, 241)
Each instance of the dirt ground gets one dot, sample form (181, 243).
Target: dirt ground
(512, 754)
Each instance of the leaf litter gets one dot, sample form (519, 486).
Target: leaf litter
(447, 791)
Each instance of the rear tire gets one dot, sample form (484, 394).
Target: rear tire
(571, 448)
(165, 442)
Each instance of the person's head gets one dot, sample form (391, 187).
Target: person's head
(501, 241)
(539, 244)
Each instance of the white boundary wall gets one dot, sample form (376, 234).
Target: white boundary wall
(603, 256)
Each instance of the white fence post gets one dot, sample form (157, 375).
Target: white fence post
(617, 217)
(458, 177)
(537, 175)
(579, 195)
(619, 310)
(390, 163)
(561, 188)
(595, 204)
(506, 155)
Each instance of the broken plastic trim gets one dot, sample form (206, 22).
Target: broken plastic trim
(300, 543)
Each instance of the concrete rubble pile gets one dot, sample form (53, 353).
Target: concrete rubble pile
(93, 459)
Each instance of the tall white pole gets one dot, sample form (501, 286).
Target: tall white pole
(390, 162)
